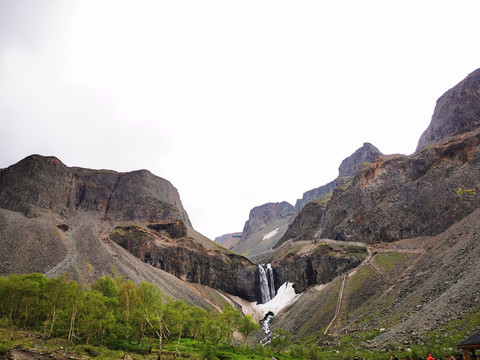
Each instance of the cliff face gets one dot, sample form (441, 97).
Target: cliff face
(57, 219)
(167, 246)
(358, 160)
(307, 264)
(263, 215)
(264, 227)
(456, 112)
(313, 195)
(306, 224)
(229, 240)
(46, 183)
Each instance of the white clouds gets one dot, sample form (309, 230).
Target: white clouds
(213, 95)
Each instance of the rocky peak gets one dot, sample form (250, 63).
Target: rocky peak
(456, 112)
(46, 183)
(263, 215)
(352, 164)
(314, 194)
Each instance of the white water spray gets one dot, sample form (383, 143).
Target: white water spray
(266, 329)
(264, 289)
(271, 281)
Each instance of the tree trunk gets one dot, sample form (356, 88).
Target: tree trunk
(72, 325)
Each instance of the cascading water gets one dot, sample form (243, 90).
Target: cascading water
(266, 328)
(264, 288)
(271, 281)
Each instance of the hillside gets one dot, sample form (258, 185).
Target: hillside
(60, 220)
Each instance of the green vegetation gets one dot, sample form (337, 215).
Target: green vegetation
(115, 314)
(323, 248)
(323, 200)
(387, 262)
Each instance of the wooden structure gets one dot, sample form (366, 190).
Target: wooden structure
(469, 346)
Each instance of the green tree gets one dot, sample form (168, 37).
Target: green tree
(247, 325)
(280, 339)
(152, 309)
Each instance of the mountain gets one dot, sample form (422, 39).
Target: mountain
(88, 223)
(416, 218)
(229, 240)
(386, 254)
(265, 225)
(305, 225)
(456, 112)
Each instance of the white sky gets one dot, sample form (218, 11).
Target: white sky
(237, 103)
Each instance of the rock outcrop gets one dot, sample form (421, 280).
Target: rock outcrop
(314, 263)
(46, 183)
(313, 195)
(60, 220)
(456, 112)
(398, 197)
(165, 245)
(307, 223)
(265, 225)
(229, 240)
(358, 160)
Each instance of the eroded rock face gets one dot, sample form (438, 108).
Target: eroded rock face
(71, 210)
(185, 258)
(358, 160)
(261, 216)
(314, 194)
(319, 266)
(406, 196)
(456, 112)
(45, 182)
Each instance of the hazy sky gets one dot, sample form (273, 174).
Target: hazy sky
(237, 103)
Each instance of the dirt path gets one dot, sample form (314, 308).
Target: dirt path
(339, 304)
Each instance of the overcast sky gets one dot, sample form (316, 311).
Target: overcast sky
(237, 103)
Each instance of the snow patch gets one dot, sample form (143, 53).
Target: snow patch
(270, 234)
(285, 296)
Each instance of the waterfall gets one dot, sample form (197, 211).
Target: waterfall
(264, 289)
(267, 285)
(270, 280)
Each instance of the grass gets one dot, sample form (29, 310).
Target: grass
(323, 200)
(387, 262)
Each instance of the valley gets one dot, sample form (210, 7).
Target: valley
(382, 259)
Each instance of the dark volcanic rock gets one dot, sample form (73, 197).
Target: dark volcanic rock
(45, 182)
(314, 194)
(406, 196)
(457, 111)
(261, 216)
(307, 223)
(320, 266)
(189, 260)
(363, 156)
(38, 181)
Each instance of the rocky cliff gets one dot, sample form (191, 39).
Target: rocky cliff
(55, 219)
(398, 197)
(418, 217)
(306, 224)
(313, 195)
(229, 240)
(456, 112)
(38, 182)
(265, 225)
